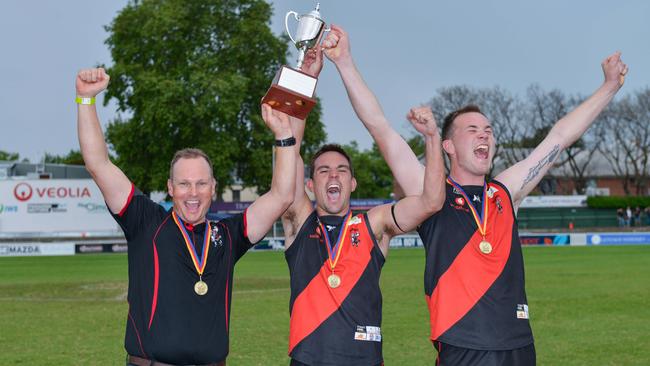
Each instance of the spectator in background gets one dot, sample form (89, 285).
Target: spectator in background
(628, 216)
(637, 216)
(620, 216)
(646, 212)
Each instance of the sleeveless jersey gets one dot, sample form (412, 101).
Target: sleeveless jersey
(335, 326)
(476, 300)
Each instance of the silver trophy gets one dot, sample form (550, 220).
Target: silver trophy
(310, 28)
(292, 90)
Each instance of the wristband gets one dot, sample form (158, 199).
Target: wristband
(85, 100)
(286, 142)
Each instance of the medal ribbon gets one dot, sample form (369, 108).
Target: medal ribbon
(479, 218)
(333, 253)
(199, 263)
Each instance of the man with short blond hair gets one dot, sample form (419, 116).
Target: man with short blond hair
(180, 264)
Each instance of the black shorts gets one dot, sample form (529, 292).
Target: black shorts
(458, 356)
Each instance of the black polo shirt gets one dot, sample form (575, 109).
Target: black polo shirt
(167, 320)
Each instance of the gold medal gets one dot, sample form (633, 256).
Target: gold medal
(334, 280)
(201, 288)
(481, 218)
(485, 247)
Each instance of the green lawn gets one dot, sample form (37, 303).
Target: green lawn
(589, 306)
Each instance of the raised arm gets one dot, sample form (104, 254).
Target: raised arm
(521, 178)
(400, 158)
(409, 212)
(261, 215)
(115, 186)
(301, 208)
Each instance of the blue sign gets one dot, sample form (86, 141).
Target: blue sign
(618, 239)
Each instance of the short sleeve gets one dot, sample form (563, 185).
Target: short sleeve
(236, 229)
(138, 212)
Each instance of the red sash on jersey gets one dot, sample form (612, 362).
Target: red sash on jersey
(318, 301)
(472, 272)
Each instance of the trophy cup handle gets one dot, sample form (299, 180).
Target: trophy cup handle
(286, 23)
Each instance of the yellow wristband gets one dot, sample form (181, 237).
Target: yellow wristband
(84, 100)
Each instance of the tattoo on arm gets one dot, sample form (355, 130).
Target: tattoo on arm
(548, 159)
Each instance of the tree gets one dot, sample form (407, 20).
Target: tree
(192, 73)
(8, 156)
(545, 109)
(374, 179)
(520, 124)
(624, 130)
(72, 158)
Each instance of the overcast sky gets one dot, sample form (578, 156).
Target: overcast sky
(404, 49)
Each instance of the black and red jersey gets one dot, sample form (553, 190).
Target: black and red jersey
(168, 321)
(342, 325)
(476, 299)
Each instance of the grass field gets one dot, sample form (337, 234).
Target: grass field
(589, 306)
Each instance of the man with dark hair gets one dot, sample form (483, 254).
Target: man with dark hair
(449, 119)
(180, 264)
(474, 275)
(324, 149)
(335, 257)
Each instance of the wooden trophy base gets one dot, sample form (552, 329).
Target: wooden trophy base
(292, 93)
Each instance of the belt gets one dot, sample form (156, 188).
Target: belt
(139, 361)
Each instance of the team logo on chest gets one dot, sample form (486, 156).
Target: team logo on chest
(215, 236)
(498, 203)
(354, 236)
(491, 191)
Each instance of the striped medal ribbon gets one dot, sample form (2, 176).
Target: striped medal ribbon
(200, 287)
(334, 280)
(480, 218)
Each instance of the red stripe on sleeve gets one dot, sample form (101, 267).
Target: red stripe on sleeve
(245, 224)
(318, 301)
(128, 200)
(472, 272)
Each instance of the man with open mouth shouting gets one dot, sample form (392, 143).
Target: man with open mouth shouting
(335, 257)
(474, 273)
(180, 264)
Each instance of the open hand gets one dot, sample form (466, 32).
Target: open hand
(276, 121)
(312, 64)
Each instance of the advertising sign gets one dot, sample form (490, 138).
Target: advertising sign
(35, 249)
(53, 205)
(618, 238)
(554, 201)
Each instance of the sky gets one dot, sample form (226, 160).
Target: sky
(405, 50)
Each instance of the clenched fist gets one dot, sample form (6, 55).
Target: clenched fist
(423, 120)
(91, 82)
(614, 69)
